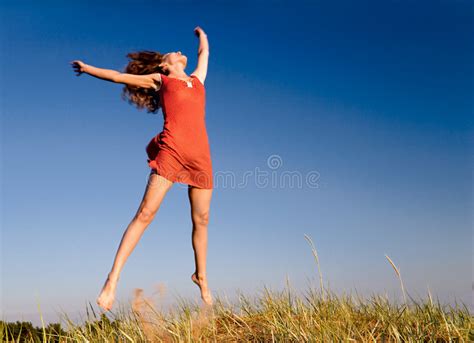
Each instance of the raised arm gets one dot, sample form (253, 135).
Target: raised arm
(143, 81)
(203, 54)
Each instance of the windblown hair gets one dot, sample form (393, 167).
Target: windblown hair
(142, 63)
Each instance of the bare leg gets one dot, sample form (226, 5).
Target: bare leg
(200, 200)
(155, 191)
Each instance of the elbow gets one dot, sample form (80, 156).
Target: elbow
(116, 78)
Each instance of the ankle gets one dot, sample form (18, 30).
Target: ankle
(201, 277)
(113, 277)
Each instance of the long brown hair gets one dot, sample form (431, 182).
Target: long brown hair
(142, 63)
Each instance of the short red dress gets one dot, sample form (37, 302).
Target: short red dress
(181, 152)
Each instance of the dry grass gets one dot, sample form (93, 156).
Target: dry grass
(317, 315)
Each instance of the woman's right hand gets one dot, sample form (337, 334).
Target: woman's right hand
(79, 67)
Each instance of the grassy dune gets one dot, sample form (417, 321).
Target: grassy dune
(317, 315)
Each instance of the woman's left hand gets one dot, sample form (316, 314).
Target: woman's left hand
(199, 32)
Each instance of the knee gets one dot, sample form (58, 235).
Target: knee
(201, 219)
(145, 215)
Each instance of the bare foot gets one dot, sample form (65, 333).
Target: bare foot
(205, 293)
(107, 295)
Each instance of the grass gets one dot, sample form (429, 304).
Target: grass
(317, 315)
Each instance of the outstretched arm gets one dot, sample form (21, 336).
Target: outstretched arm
(203, 54)
(143, 81)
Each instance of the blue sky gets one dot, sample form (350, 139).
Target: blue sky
(374, 98)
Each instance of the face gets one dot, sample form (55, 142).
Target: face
(172, 58)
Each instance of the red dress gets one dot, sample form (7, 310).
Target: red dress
(181, 152)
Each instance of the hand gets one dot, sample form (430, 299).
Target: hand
(79, 67)
(199, 32)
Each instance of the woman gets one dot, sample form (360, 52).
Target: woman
(179, 153)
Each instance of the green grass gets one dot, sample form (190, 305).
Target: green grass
(317, 315)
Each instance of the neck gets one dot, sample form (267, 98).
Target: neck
(177, 71)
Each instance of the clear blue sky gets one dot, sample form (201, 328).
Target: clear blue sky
(374, 98)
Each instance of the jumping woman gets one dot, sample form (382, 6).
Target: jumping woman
(179, 153)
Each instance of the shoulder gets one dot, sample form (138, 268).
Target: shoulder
(200, 79)
(158, 79)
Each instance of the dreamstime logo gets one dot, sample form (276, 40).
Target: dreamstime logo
(274, 177)
(281, 179)
(274, 161)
